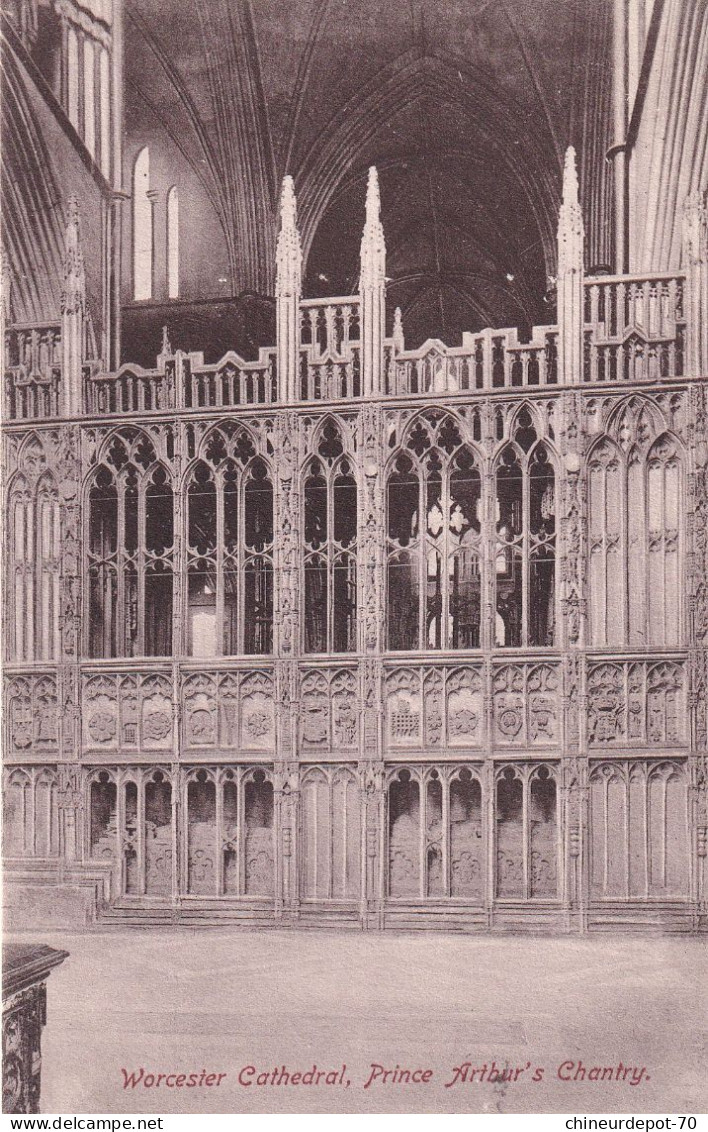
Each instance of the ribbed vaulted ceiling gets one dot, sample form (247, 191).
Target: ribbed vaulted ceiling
(465, 106)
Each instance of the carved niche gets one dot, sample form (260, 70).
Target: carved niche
(642, 704)
(31, 704)
(329, 710)
(127, 711)
(231, 710)
(527, 704)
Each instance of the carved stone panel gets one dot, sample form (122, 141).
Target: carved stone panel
(31, 707)
(229, 710)
(527, 704)
(329, 710)
(641, 704)
(404, 708)
(130, 711)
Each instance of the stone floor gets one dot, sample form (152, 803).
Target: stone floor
(184, 1001)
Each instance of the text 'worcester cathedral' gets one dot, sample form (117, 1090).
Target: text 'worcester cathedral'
(361, 635)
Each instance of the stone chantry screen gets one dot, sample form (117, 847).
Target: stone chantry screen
(363, 635)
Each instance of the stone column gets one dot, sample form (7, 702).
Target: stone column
(695, 262)
(371, 642)
(570, 278)
(372, 291)
(696, 573)
(288, 290)
(286, 607)
(572, 553)
(73, 308)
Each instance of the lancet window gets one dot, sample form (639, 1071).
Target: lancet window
(130, 551)
(525, 540)
(435, 834)
(143, 235)
(229, 549)
(526, 832)
(634, 519)
(34, 516)
(434, 540)
(330, 513)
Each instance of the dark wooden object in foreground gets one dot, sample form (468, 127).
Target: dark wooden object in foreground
(25, 969)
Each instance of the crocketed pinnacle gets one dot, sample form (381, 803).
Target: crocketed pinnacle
(570, 219)
(373, 245)
(288, 256)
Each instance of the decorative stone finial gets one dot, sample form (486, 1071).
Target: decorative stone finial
(373, 197)
(166, 345)
(373, 245)
(288, 204)
(570, 177)
(398, 339)
(570, 219)
(288, 255)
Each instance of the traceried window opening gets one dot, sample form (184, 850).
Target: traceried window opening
(34, 518)
(130, 552)
(634, 520)
(526, 542)
(434, 542)
(173, 243)
(330, 509)
(142, 227)
(229, 552)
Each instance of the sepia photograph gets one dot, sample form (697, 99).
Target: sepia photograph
(355, 557)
